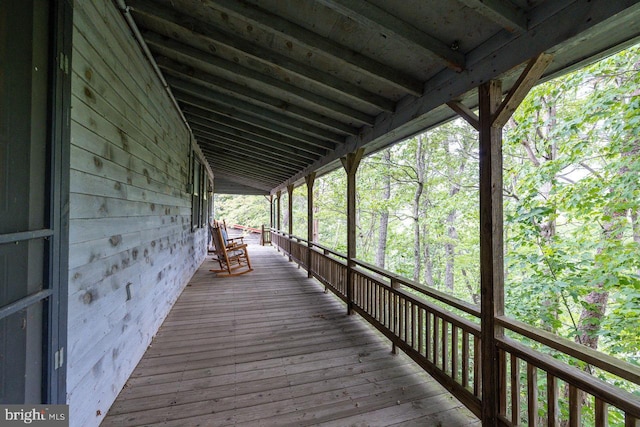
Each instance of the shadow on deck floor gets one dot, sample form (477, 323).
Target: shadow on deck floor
(270, 348)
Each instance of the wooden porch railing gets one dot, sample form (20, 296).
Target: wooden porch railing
(442, 334)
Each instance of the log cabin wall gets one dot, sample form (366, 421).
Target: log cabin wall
(130, 212)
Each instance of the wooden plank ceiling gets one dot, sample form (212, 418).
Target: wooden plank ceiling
(275, 89)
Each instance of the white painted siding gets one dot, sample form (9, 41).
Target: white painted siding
(130, 214)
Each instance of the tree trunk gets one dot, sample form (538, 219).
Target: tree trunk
(416, 209)
(596, 300)
(452, 232)
(449, 248)
(384, 214)
(635, 226)
(428, 262)
(474, 294)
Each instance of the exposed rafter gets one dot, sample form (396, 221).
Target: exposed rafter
(250, 131)
(413, 117)
(317, 44)
(502, 12)
(304, 83)
(164, 46)
(246, 99)
(237, 137)
(193, 28)
(259, 126)
(371, 15)
(211, 139)
(221, 149)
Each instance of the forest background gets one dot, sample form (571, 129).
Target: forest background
(571, 208)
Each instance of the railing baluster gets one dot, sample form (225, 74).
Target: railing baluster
(502, 373)
(552, 401)
(436, 339)
(370, 308)
(428, 335)
(465, 359)
(454, 352)
(421, 330)
(477, 372)
(407, 309)
(414, 327)
(515, 390)
(383, 309)
(445, 345)
(575, 414)
(602, 418)
(394, 313)
(532, 394)
(401, 311)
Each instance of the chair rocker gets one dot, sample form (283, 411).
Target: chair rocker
(231, 258)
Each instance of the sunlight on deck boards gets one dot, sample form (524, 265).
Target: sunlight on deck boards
(269, 348)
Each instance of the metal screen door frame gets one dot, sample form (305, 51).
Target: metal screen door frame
(51, 237)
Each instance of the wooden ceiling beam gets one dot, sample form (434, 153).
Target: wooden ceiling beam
(237, 137)
(222, 90)
(276, 129)
(318, 44)
(251, 129)
(239, 169)
(193, 28)
(502, 12)
(205, 135)
(246, 166)
(216, 146)
(496, 57)
(233, 177)
(226, 186)
(161, 45)
(372, 16)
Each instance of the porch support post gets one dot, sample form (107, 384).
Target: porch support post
(309, 179)
(278, 209)
(491, 248)
(290, 206)
(494, 114)
(270, 211)
(350, 163)
(290, 216)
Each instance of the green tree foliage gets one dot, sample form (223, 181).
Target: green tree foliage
(572, 163)
(250, 211)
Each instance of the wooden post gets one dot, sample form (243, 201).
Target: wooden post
(270, 211)
(278, 209)
(350, 164)
(491, 248)
(309, 179)
(290, 216)
(290, 206)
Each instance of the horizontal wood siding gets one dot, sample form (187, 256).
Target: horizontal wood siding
(130, 214)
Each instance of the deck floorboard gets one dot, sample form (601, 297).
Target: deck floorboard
(270, 348)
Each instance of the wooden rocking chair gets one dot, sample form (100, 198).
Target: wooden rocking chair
(230, 258)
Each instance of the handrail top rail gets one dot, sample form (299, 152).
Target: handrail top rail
(458, 303)
(429, 306)
(312, 245)
(427, 290)
(588, 355)
(622, 399)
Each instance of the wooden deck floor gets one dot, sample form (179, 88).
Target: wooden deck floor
(271, 349)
